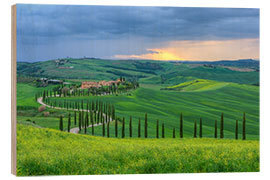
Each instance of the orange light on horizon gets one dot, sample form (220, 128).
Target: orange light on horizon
(159, 54)
(211, 50)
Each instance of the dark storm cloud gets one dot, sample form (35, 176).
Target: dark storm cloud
(45, 22)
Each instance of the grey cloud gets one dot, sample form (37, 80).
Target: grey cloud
(102, 22)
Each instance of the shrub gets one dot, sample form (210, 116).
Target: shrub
(41, 108)
(46, 114)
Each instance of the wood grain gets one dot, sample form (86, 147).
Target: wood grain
(13, 88)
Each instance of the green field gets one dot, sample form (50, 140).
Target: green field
(166, 90)
(60, 153)
(166, 106)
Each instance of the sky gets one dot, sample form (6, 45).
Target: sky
(46, 32)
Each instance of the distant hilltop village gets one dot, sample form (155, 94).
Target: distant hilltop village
(91, 84)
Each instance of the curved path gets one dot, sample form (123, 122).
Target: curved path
(76, 129)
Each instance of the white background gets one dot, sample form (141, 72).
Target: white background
(5, 85)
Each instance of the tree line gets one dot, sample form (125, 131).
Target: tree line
(71, 91)
(84, 120)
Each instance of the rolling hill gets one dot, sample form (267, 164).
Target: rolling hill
(146, 71)
(198, 85)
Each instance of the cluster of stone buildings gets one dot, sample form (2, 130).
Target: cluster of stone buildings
(50, 81)
(91, 84)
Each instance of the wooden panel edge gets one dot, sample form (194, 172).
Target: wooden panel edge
(13, 88)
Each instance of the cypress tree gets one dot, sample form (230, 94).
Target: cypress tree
(173, 132)
(69, 122)
(236, 129)
(113, 112)
(130, 127)
(80, 120)
(116, 127)
(85, 124)
(96, 117)
(123, 128)
(139, 128)
(91, 116)
(103, 128)
(108, 129)
(157, 130)
(61, 123)
(106, 113)
(109, 112)
(145, 126)
(215, 128)
(163, 130)
(244, 127)
(200, 133)
(43, 96)
(86, 120)
(93, 130)
(93, 106)
(195, 129)
(221, 127)
(181, 126)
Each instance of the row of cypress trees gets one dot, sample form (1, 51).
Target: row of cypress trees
(82, 105)
(64, 91)
(84, 123)
(97, 108)
(222, 128)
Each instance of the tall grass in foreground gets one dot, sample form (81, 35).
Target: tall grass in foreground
(51, 152)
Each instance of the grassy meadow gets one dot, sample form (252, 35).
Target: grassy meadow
(60, 153)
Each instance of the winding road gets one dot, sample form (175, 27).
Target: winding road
(76, 129)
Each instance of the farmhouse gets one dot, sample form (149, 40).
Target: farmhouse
(91, 84)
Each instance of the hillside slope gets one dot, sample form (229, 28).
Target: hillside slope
(51, 152)
(146, 71)
(198, 85)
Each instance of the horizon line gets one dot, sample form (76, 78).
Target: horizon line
(96, 58)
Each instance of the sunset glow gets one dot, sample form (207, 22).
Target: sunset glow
(201, 50)
(159, 54)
